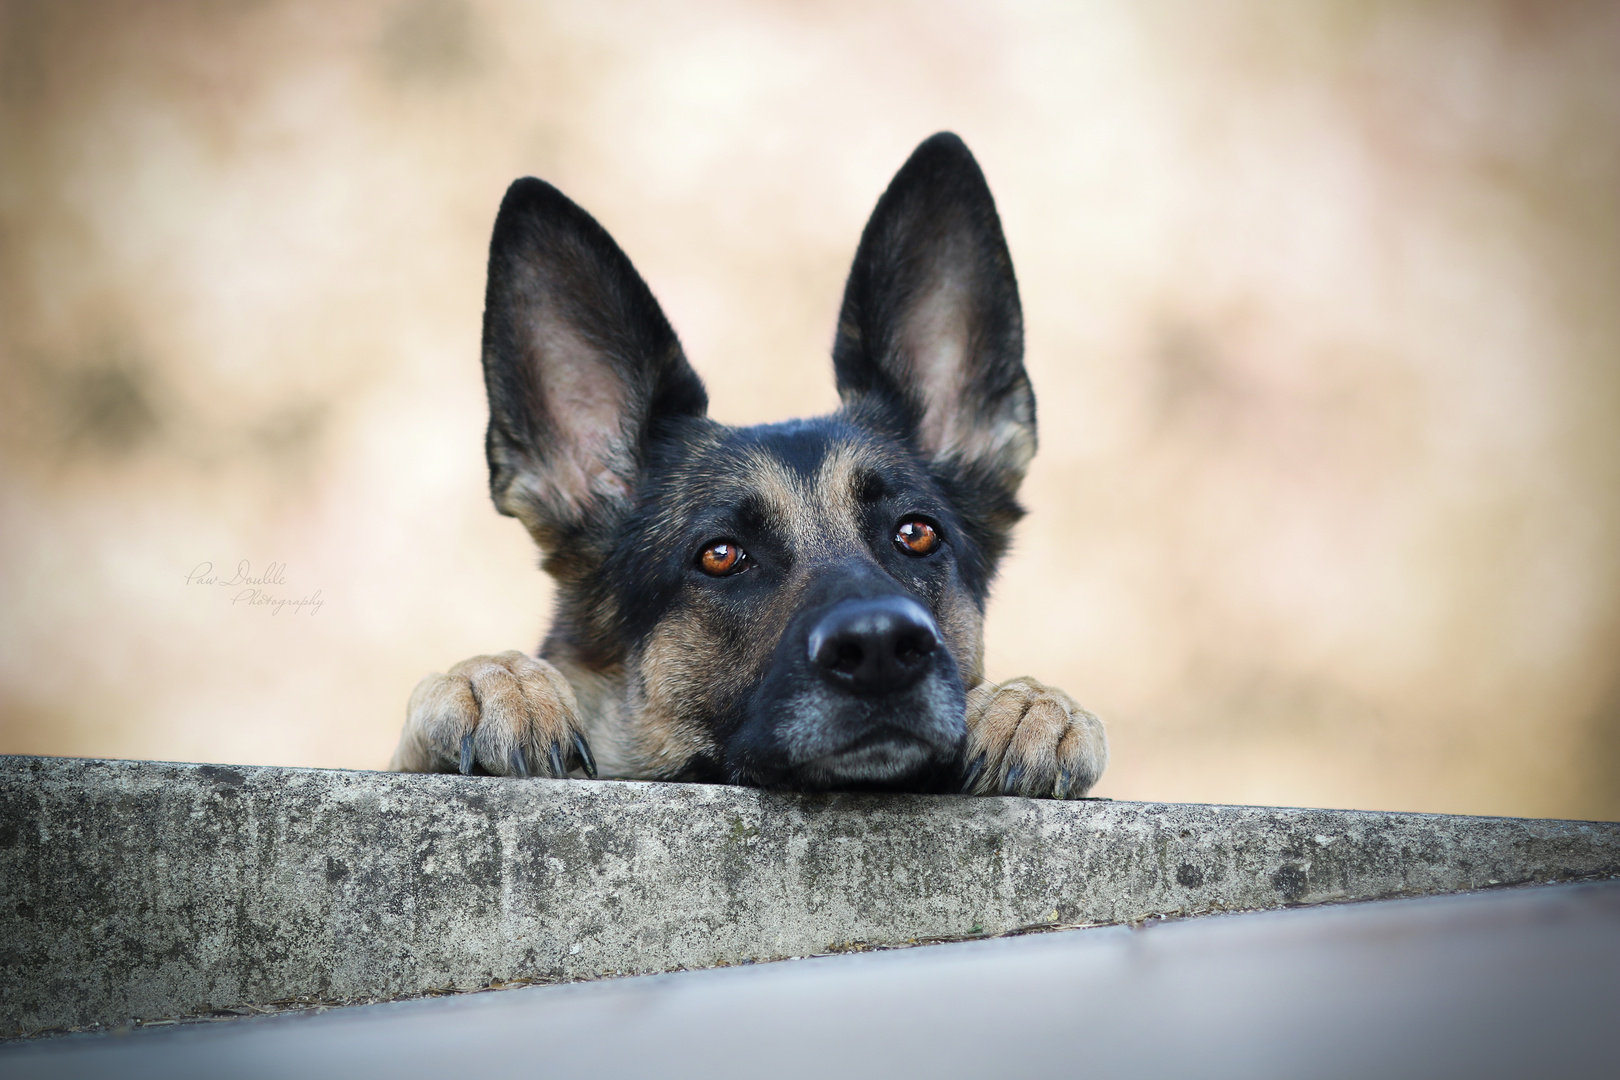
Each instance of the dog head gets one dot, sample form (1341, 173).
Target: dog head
(791, 605)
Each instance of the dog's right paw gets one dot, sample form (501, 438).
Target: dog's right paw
(505, 715)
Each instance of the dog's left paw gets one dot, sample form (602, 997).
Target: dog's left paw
(1027, 738)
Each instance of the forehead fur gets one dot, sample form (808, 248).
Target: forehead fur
(804, 479)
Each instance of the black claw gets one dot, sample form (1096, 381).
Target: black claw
(558, 769)
(1014, 775)
(467, 754)
(971, 775)
(1065, 779)
(520, 764)
(586, 761)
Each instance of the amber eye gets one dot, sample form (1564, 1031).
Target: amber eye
(721, 558)
(915, 536)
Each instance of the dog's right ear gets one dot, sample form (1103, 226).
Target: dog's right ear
(580, 363)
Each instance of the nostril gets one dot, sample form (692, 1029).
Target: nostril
(910, 648)
(849, 657)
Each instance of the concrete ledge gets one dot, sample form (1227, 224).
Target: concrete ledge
(146, 890)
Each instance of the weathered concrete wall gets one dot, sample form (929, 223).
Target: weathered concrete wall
(138, 889)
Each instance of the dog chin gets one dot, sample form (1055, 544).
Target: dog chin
(817, 740)
(883, 759)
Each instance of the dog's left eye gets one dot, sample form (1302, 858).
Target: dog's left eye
(914, 536)
(721, 558)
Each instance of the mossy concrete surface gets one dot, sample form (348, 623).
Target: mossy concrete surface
(141, 890)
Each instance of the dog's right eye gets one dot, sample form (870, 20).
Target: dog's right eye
(721, 558)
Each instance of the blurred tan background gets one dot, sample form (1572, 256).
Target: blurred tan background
(1323, 308)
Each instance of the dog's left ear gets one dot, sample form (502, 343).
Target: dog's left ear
(931, 336)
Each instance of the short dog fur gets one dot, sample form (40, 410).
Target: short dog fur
(795, 605)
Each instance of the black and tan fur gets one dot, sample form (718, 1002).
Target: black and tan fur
(832, 656)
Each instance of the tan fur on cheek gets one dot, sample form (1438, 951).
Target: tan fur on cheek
(679, 683)
(694, 669)
(962, 625)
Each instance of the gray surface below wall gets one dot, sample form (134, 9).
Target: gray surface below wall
(146, 890)
(1511, 983)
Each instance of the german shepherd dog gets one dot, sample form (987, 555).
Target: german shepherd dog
(795, 605)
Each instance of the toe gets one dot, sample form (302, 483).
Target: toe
(1083, 754)
(1032, 756)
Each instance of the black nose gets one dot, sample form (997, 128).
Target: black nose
(874, 646)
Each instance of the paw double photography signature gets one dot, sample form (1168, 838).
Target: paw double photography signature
(257, 591)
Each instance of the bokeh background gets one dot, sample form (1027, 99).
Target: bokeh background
(1323, 307)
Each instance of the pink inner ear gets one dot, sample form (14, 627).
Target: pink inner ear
(935, 344)
(586, 403)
